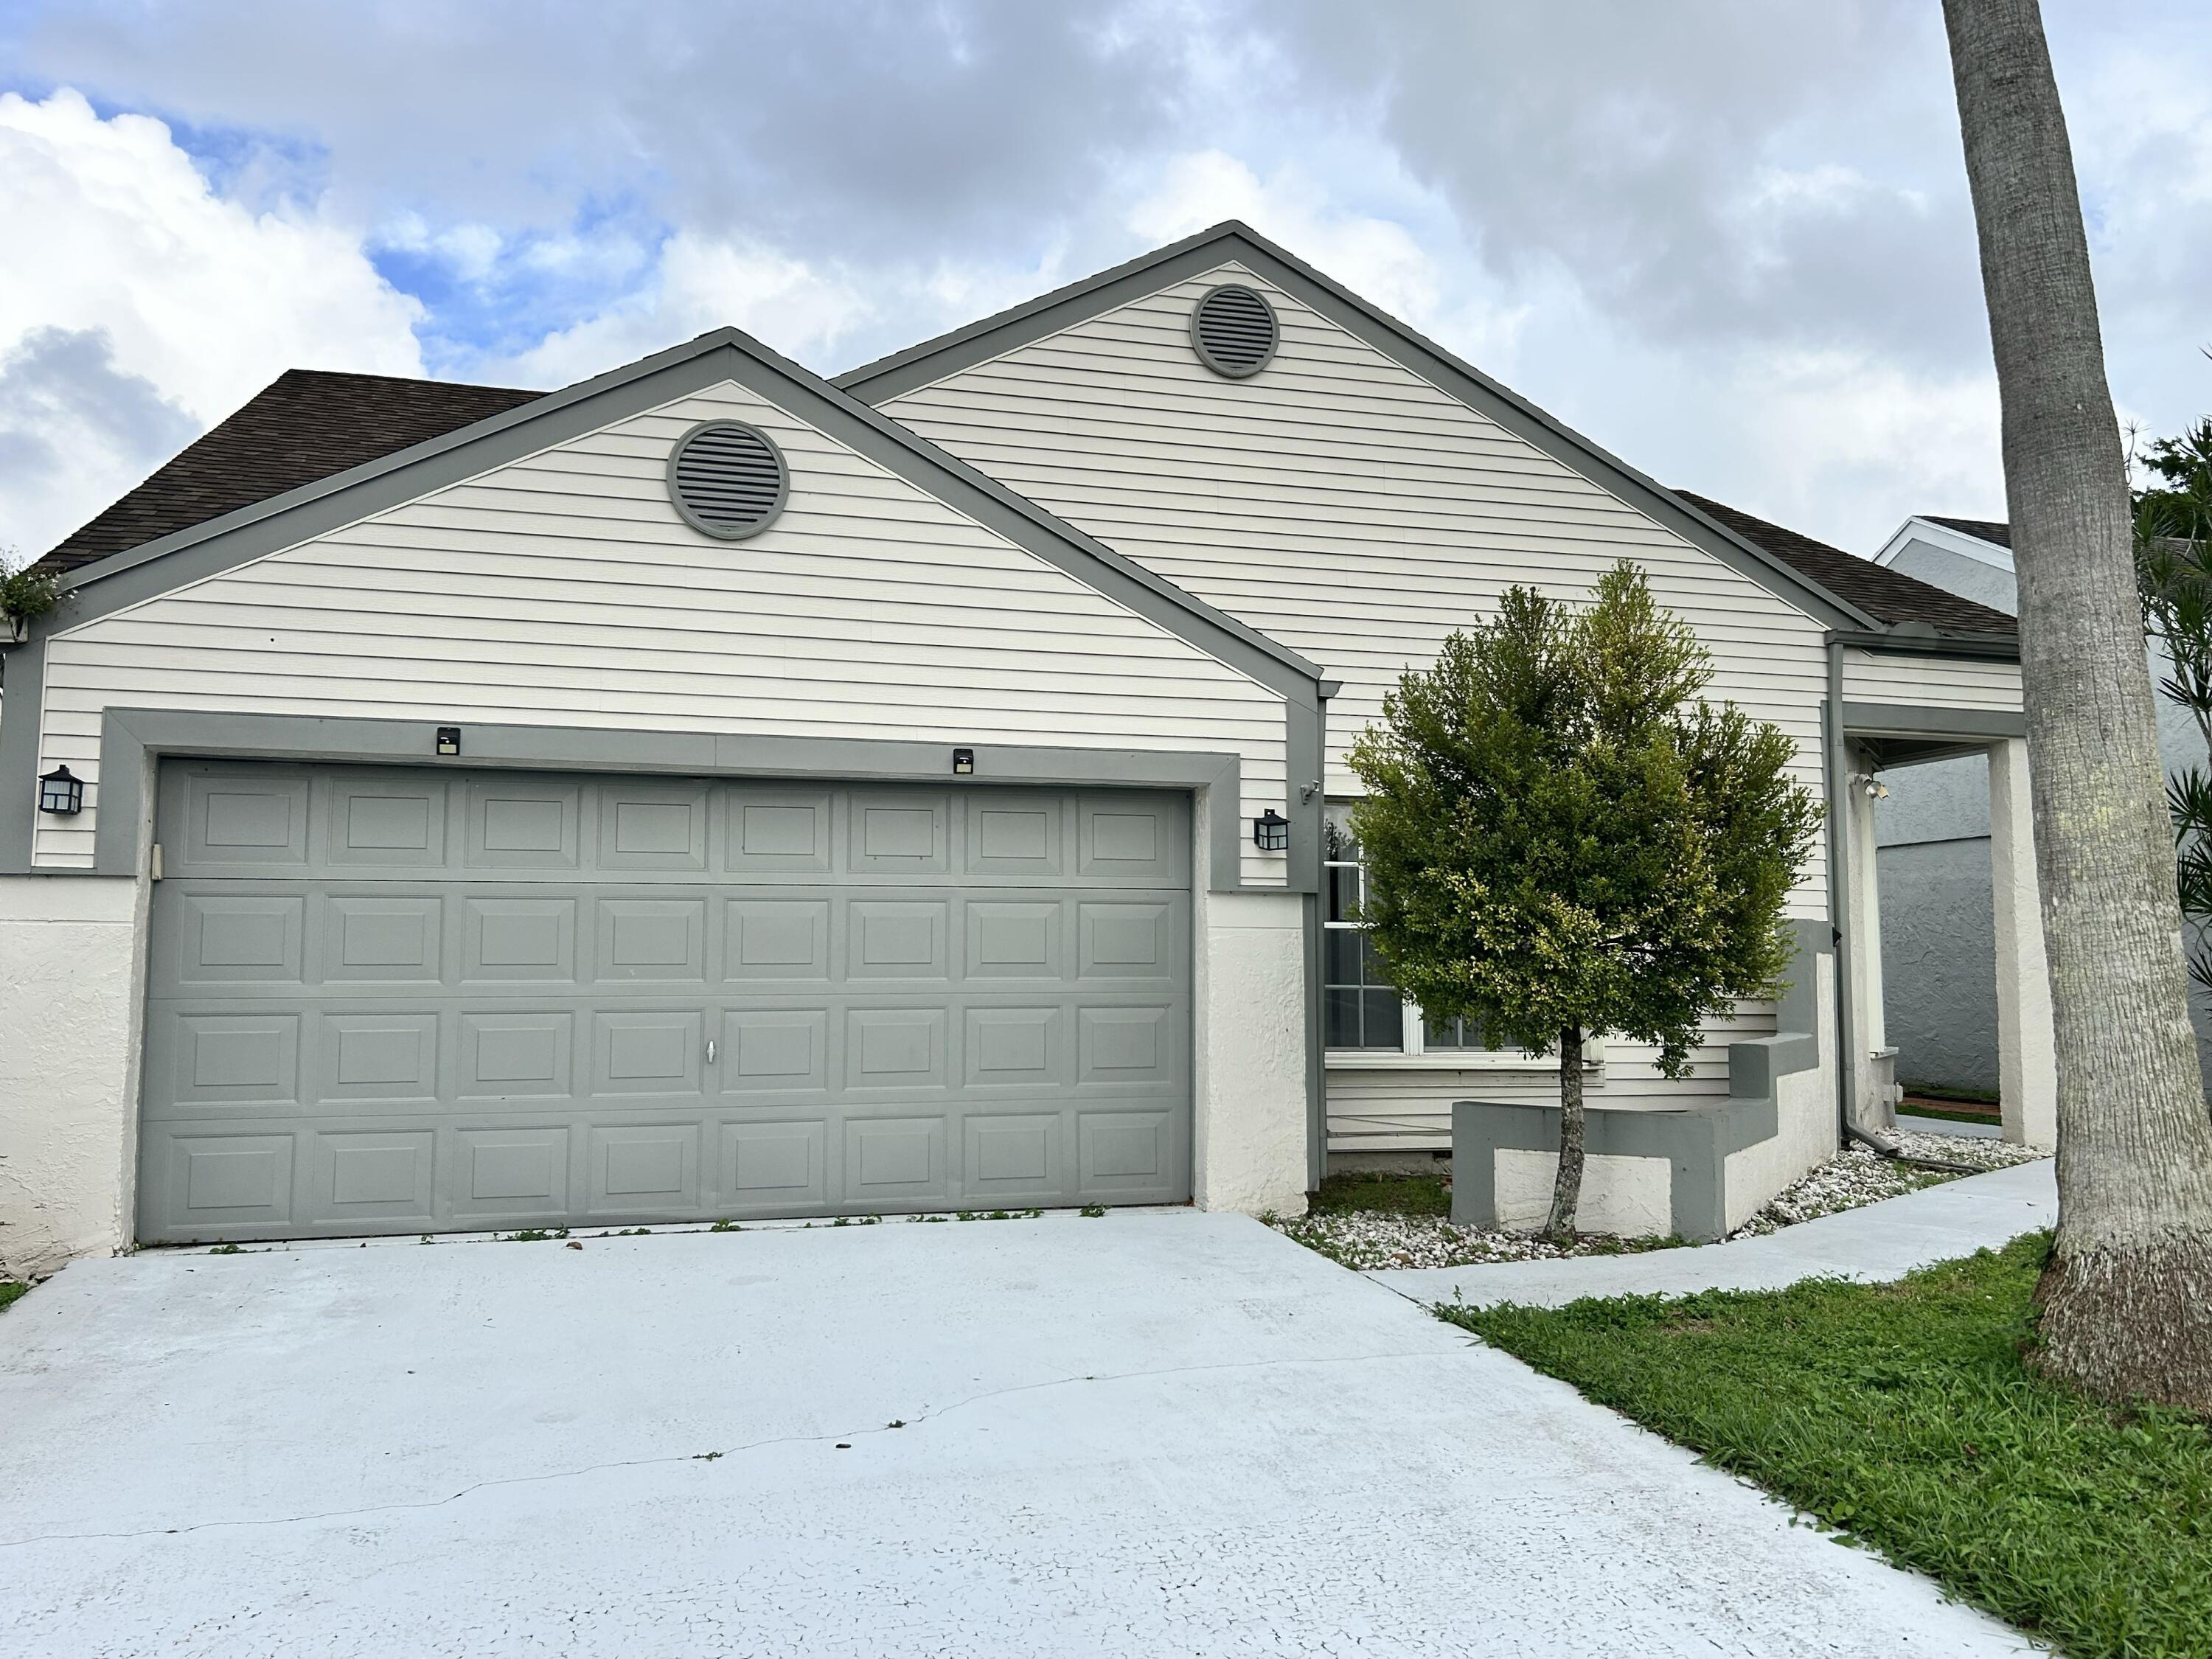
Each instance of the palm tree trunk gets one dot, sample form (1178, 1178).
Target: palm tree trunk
(2126, 1302)
(1567, 1188)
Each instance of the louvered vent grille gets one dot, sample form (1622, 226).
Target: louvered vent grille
(1234, 330)
(727, 479)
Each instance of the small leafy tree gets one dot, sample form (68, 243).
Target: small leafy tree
(25, 593)
(1564, 839)
(2173, 577)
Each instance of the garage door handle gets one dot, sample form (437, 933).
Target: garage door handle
(710, 1051)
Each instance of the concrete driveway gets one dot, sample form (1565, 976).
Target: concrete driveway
(1149, 1434)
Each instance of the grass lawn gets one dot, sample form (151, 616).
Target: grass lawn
(9, 1290)
(1901, 1414)
(1384, 1193)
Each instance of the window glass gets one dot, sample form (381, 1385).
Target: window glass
(1360, 1008)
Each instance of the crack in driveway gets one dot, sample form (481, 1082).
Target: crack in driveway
(711, 1456)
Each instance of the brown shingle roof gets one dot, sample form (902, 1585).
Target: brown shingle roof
(305, 425)
(1889, 596)
(1988, 530)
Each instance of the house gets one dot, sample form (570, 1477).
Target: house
(1934, 850)
(710, 790)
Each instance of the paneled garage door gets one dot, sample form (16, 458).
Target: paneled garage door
(391, 1001)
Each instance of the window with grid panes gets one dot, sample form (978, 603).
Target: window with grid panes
(1360, 1008)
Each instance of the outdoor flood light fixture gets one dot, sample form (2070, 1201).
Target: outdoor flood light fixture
(61, 792)
(449, 740)
(963, 762)
(1271, 831)
(1874, 787)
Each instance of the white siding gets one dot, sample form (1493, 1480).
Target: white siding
(1345, 506)
(563, 590)
(1340, 504)
(1407, 1106)
(1940, 681)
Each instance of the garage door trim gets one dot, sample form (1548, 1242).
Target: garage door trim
(133, 740)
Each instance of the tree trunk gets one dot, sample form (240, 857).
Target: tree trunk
(1567, 1189)
(2126, 1302)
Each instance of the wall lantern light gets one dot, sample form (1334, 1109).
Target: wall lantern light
(1271, 831)
(61, 792)
(963, 762)
(449, 740)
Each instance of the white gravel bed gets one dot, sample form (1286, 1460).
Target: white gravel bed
(1859, 1176)
(1377, 1239)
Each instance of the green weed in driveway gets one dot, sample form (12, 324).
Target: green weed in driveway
(9, 1290)
(1903, 1414)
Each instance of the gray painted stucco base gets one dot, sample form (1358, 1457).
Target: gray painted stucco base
(1694, 1142)
(1938, 932)
(1939, 963)
(1695, 1145)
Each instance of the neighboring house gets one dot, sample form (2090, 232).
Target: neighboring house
(708, 790)
(1933, 832)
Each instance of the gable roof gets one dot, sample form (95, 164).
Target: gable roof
(1232, 241)
(1988, 530)
(109, 581)
(305, 425)
(1891, 596)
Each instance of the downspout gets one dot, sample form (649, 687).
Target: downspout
(1839, 906)
(1316, 913)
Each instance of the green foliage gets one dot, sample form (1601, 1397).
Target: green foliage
(1902, 1413)
(2173, 577)
(10, 1290)
(1561, 834)
(1092, 1211)
(27, 594)
(1381, 1192)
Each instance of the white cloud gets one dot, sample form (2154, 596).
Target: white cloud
(197, 301)
(204, 299)
(1378, 258)
(703, 282)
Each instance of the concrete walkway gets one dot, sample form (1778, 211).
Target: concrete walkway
(1143, 1435)
(1877, 1242)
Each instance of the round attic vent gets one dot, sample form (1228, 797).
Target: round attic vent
(727, 479)
(1234, 330)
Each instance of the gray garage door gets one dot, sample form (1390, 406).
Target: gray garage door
(391, 1001)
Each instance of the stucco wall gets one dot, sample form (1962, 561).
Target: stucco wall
(1249, 1146)
(70, 973)
(1804, 1118)
(1939, 961)
(1622, 1197)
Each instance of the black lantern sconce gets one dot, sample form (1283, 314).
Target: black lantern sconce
(1271, 831)
(61, 792)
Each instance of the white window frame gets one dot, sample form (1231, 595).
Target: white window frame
(1413, 1050)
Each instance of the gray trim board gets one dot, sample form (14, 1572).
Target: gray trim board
(992, 337)
(1901, 719)
(20, 707)
(1999, 647)
(131, 737)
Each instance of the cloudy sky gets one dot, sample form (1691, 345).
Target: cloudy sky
(1728, 238)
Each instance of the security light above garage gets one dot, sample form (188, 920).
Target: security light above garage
(727, 479)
